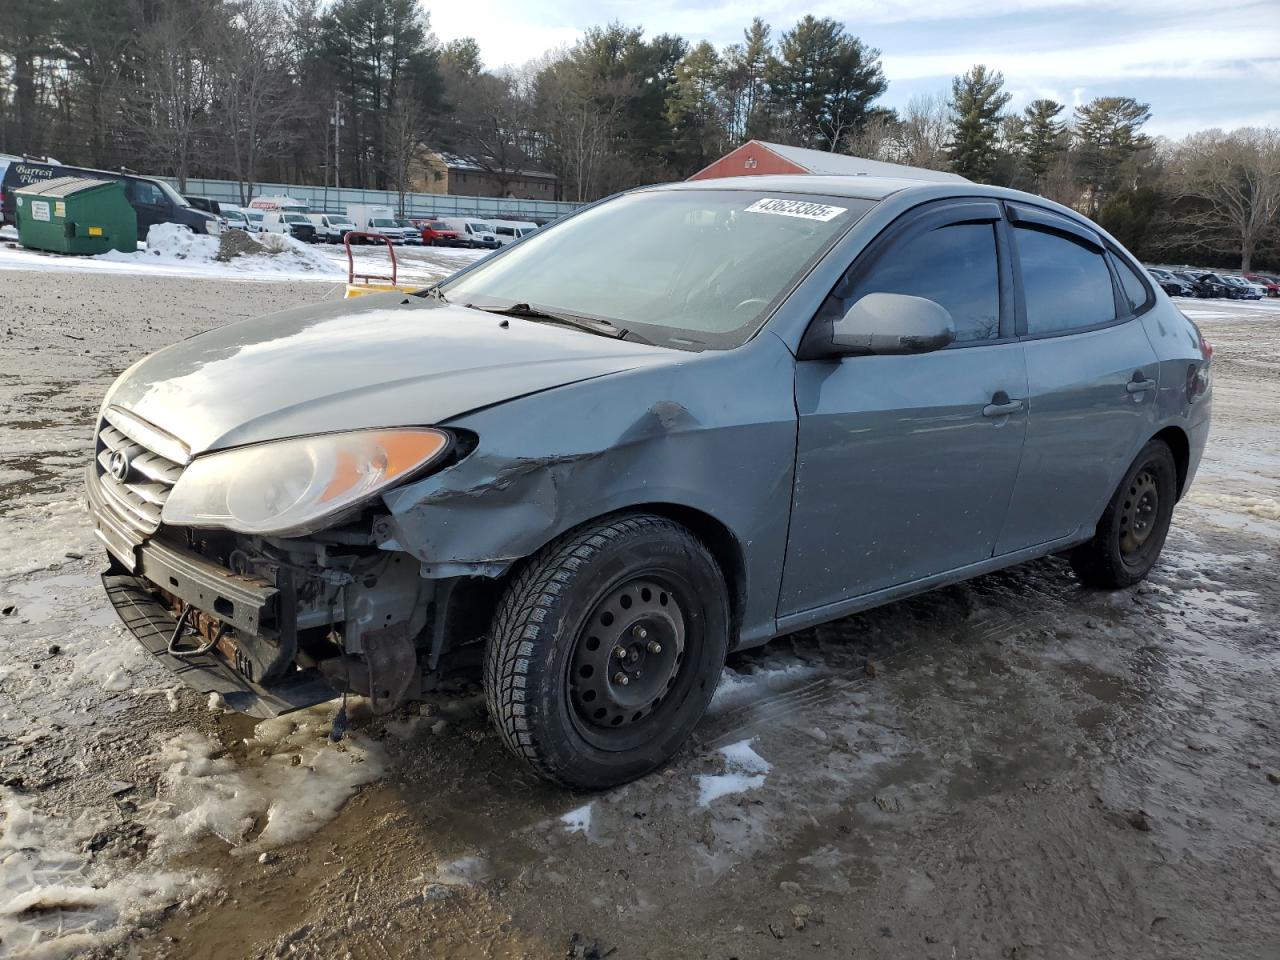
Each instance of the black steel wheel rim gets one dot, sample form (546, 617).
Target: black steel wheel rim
(631, 660)
(1139, 515)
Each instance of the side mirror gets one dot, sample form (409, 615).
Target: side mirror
(892, 324)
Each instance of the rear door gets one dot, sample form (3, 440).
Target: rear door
(905, 464)
(1091, 372)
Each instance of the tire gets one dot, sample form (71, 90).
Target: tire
(633, 582)
(1133, 528)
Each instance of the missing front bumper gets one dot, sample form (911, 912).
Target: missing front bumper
(153, 624)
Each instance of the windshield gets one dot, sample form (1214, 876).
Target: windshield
(382, 223)
(174, 196)
(233, 215)
(689, 268)
(294, 218)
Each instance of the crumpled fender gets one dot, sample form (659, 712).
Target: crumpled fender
(715, 433)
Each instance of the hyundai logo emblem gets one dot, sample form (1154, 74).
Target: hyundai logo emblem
(118, 466)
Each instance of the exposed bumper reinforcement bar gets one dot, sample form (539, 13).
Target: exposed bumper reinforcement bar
(153, 623)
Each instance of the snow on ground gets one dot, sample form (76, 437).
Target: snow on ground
(174, 251)
(292, 781)
(58, 898)
(744, 770)
(1210, 310)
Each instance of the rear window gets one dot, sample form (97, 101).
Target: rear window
(1065, 282)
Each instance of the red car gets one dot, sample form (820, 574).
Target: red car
(439, 234)
(1272, 284)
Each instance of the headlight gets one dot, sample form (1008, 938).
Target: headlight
(294, 487)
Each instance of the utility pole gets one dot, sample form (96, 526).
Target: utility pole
(337, 126)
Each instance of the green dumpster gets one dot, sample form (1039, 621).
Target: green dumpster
(75, 215)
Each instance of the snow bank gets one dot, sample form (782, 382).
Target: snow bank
(170, 245)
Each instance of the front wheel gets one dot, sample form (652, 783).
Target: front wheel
(605, 650)
(1133, 528)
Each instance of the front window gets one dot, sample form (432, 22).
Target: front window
(687, 268)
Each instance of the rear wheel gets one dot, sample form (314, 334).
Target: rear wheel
(606, 649)
(1133, 528)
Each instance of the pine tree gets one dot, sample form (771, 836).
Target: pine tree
(1042, 138)
(977, 97)
(824, 80)
(1108, 141)
(745, 90)
(694, 110)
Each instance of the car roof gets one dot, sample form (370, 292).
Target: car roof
(873, 188)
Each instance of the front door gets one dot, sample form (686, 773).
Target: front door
(905, 464)
(151, 205)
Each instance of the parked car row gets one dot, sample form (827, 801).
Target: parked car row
(1205, 284)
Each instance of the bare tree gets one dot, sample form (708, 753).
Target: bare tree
(1229, 184)
(176, 91)
(253, 87)
(579, 124)
(405, 130)
(876, 139)
(491, 125)
(924, 129)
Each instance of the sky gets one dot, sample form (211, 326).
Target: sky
(1197, 64)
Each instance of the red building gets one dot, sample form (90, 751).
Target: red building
(758, 158)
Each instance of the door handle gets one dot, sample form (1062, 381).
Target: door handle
(1140, 384)
(1001, 406)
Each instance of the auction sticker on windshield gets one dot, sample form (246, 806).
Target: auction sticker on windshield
(796, 208)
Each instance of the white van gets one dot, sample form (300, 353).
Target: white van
(509, 231)
(370, 218)
(234, 218)
(278, 204)
(295, 225)
(476, 232)
(330, 227)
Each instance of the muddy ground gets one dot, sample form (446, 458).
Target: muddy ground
(1012, 768)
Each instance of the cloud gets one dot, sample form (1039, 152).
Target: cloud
(1070, 50)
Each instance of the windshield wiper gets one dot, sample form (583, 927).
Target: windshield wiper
(528, 311)
(435, 293)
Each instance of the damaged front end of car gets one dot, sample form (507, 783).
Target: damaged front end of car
(283, 595)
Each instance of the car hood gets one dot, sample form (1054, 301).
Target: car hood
(375, 361)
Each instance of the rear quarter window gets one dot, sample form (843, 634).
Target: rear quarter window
(1066, 284)
(1136, 293)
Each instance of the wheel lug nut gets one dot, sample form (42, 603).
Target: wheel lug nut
(621, 679)
(620, 652)
(641, 633)
(654, 646)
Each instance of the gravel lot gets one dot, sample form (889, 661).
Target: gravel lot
(1015, 767)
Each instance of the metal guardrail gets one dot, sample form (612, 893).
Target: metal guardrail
(335, 200)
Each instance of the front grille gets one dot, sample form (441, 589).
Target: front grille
(137, 466)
